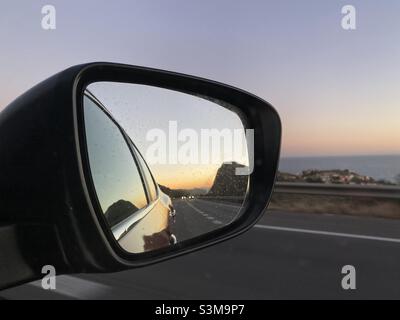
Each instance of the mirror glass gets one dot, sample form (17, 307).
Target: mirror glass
(166, 166)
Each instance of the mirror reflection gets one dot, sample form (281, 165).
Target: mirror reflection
(166, 166)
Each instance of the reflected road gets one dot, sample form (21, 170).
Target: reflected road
(195, 217)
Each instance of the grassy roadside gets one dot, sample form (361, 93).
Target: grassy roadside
(383, 208)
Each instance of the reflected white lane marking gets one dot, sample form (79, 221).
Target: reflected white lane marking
(199, 211)
(193, 207)
(205, 215)
(327, 233)
(221, 204)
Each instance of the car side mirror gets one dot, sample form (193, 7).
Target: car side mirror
(107, 167)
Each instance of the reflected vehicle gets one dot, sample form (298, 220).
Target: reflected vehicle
(137, 211)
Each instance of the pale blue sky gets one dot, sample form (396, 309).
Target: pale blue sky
(337, 91)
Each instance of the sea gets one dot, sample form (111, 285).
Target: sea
(385, 167)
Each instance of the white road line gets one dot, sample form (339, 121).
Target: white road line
(205, 215)
(193, 207)
(327, 233)
(221, 204)
(309, 231)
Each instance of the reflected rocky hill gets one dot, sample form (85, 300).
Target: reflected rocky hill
(227, 183)
(119, 211)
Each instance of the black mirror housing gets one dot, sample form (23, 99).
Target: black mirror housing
(46, 213)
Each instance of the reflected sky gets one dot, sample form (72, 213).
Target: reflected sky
(140, 108)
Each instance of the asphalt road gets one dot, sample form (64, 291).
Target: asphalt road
(286, 256)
